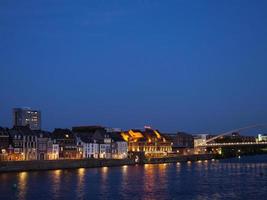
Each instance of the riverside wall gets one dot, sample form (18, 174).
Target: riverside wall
(37, 165)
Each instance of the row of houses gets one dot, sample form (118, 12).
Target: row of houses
(22, 143)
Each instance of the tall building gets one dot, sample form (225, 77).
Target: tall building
(27, 117)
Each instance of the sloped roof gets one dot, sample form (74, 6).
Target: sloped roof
(116, 136)
(23, 130)
(61, 133)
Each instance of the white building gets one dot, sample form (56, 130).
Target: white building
(262, 138)
(200, 140)
(105, 148)
(119, 146)
(120, 150)
(53, 151)
(90, 147)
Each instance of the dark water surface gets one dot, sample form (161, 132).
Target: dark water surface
(244, 178)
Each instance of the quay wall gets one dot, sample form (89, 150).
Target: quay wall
(37, 165)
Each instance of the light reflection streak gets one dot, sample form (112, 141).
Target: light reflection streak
(80, 185)
(104, 183)
(22, 184)
(56, 182)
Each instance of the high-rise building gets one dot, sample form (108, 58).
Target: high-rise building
(27, 117)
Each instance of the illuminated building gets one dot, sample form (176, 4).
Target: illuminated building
(88, 147)
(67, 143)
(151, 142)
(27, 117)
(95, 141)
(24, 143)
(43, 144)
(119, 146)
(53, 150)
(4, 143)
(262, 138)
(101, 142)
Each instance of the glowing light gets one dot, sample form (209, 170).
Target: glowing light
(81, 171)
(157, 134)
(105, 169)
(58, 172)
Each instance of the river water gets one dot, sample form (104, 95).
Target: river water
(237, 178)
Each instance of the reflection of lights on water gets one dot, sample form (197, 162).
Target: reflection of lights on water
(22, 182)
(162, 166)
(178, 163)
(23, 176)
(189, 162)
(212, 160)
(124, 169)
(81, 171)
(239, 157)
(206, 161)
(80, 184)
(57, 172)
(105, 169)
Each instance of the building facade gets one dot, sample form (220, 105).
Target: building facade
(4, 143)
(151, 142)
(67, 143)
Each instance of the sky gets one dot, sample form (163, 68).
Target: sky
(183, 65)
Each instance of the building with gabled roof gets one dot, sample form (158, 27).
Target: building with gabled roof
(149, 141)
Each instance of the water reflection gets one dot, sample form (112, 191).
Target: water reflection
(22, 185)
(104, 183)
(80, 184)
(56, 182)
(196, 180)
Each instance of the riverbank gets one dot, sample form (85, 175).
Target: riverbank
(37, 165)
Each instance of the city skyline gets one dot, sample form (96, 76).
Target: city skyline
(175, 66)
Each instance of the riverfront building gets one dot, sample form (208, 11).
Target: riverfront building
(262, 138)
(27, 117)
(100, 142)
(66, 140)
(148, 141)
(4, 143)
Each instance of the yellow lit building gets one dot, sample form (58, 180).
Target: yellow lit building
(151, 142)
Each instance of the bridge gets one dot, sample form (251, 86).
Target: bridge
(207, 143)
(232, 148)
(234, 144)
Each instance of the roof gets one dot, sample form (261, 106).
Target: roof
(116, 136)
(42, 133)
(86, 128)
(22, 130)
(62, 134)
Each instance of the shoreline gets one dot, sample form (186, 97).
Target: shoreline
(43, 165)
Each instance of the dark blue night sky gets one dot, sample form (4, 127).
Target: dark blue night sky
(198, 66)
